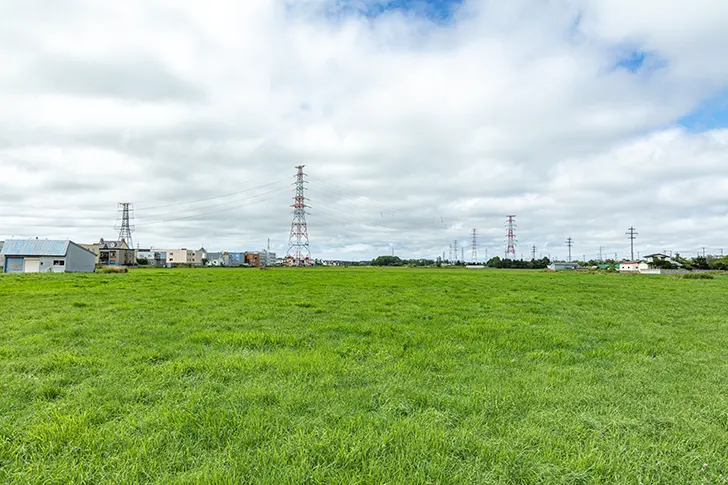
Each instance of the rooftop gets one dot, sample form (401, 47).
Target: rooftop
(35, 247)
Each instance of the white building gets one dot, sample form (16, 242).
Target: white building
(632, 266)
(555, 266)
(46, 256)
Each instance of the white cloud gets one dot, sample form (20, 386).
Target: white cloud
(406, 127)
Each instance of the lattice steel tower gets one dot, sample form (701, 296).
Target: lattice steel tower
(299, 252)
(124, 227)
(511, 236)
(474, 255)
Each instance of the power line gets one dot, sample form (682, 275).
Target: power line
(205, 199)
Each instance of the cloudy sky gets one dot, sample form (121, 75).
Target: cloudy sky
(417, 121)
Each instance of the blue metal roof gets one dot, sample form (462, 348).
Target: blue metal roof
(35, 247)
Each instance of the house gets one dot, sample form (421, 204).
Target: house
(252, 258)
(651, 258)
(46, 256)
(630, 266)
(563, 266)
(153, 257)
(236, 258)
(176, 257)
(219, 259)
(114, 253)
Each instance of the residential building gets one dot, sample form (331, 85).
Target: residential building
(630, 267)
(115, 253)
(177, 257)
(268, 258)
(154, 257)
(651, 258)
(219, 259)
(252, 258)
(236, 258)
(46, 256)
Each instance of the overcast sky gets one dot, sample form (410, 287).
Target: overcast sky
(417, 121)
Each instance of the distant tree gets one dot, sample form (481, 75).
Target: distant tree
(142, 261)
(700, 263)
(387, 261)
(719, 264)
(663, 264)
(495, 262)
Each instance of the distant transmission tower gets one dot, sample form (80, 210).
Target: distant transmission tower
(533, 252)
(299, 251)
(455, 248)
(125, 227)
(632, 235)
(450, 258)
(570, 243)
(511, 236)
(475, 246)
(462, 253)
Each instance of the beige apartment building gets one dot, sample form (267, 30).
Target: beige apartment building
(183, 256)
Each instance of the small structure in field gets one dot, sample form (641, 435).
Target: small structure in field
(555, 266)
(46, 256)
(632, 266)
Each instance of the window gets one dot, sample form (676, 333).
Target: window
(59, 262)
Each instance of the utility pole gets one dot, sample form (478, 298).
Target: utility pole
(703, 251)
(450, 258)
(600, 253)
(267, 254)
(462, 254)
(533, 252)
(570, 243)
(632, 235)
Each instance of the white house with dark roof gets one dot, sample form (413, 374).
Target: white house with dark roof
(46, 256)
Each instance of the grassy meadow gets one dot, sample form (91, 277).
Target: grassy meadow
(362, 376)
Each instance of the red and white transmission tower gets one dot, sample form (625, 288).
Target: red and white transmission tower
(511, 236)
(475, 246)
(299, 252)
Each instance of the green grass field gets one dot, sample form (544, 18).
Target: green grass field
(351, 376)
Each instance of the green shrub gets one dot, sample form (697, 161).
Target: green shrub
(113, 269)
(697, 276)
